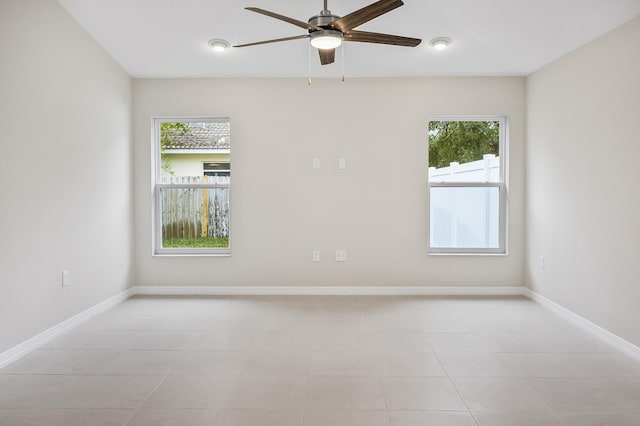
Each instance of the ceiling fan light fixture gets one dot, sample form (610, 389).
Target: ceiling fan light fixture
(326, 39)
(440, 43)
(218, 45)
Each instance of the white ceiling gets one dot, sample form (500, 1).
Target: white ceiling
(168, 38)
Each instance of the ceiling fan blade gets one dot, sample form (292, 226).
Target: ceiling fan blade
(295, 22)
(367, 37)
(275, 40)
(365, 14)
(327, 56)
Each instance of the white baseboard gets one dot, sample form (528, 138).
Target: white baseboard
(617, 342)
(325, 291)
(46, 336)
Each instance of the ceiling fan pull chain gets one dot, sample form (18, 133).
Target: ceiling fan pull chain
(342, 52)
(309, 66)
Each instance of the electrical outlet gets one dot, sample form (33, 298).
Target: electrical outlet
(65, 279)
(315, 256)
(316, 163)
(341, 255)
(342, 163)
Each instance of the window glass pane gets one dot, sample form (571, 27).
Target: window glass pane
(187, 147)
(465, 217)
(195, 217)
(464, 151)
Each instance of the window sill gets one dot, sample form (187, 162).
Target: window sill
(467, 254)
(191, 255)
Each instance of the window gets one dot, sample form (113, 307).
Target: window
(467, 191)
(192, 185)
(216, 169)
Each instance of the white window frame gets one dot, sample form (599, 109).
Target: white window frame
(502, 186)
(157, 186)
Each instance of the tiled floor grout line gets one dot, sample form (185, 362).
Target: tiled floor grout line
(384, 401)
(304, 398)
(557, 416)
(148, 396)
(473, 416)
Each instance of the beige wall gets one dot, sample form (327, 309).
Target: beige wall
(377, 208)
(65, 109)
(583, 169)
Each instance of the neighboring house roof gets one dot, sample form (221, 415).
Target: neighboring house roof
(201, 135)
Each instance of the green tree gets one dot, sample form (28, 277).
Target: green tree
(461, 141)
(167, 132)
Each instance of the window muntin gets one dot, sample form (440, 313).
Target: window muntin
(467, 190)
(192, 207)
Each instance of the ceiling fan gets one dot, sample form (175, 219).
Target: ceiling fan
(327, 31)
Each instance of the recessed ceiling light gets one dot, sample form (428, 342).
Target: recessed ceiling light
(219, 45)
(440, 43)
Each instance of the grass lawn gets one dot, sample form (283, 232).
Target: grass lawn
(199, 242)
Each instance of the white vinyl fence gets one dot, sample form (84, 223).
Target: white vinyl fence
(465, 216)
(485, 170)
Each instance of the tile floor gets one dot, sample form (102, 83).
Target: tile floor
(323, 361)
